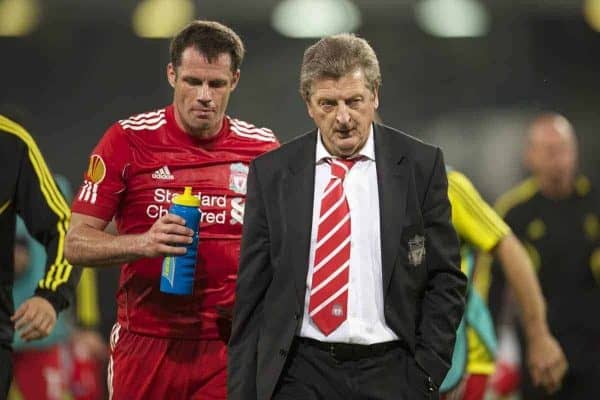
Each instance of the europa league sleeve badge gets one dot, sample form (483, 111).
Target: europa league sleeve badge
(416, 250)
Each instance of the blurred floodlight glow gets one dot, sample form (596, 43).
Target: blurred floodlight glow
(18, 17)
(452, 18)
(315, 18)
(591, 12)
(158, 19)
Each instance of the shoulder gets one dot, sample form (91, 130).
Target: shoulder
(424, 160)
(516, 196)
(136, 125)
(295, 150)
(583, 187)
(148, 121)
(13, 133)
(16, 142)
(412, 142)
(457, 181)
(248, 132)
(416, 149)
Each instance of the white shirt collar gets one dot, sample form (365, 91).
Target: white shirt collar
(368, 150)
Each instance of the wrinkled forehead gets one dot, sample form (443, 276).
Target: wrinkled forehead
(352, 83)
(193, 56)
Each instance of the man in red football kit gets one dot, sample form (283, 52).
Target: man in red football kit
(167, 346)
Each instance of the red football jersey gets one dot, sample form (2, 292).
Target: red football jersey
(133, 173)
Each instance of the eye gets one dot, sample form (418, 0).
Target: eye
(355, 102)
(327, 105)
(217, 83)
(192, 81)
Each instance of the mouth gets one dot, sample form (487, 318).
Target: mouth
(202, 112)
(344, 132)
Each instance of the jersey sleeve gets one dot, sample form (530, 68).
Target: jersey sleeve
(474, 220)
(104, 179)
(46, 214)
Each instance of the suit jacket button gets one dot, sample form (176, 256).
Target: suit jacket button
(282, 352)
(296, 316)
(430, 385)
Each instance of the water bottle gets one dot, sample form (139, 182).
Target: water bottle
(178, 271)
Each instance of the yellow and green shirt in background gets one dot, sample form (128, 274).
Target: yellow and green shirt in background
(479, 229)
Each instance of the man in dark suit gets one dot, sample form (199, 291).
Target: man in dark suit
(349, 286)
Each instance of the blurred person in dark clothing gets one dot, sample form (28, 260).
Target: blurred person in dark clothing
(28, 189)
(555, 213)
(69, 360)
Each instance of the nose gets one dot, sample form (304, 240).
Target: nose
(343, 115)
(204, 94)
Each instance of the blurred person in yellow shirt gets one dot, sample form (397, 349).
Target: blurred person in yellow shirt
(481, 229)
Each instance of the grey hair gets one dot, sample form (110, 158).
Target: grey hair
(336, 56)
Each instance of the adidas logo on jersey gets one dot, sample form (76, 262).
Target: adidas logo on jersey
(163, 174)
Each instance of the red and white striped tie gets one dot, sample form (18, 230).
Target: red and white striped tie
(329, 289)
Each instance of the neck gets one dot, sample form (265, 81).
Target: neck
(203, 132)
(556, 189)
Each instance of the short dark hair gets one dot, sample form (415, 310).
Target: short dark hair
(336, 56)
(210, 38)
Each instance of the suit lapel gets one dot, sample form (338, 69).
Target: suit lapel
(392, 181)
(299, 185)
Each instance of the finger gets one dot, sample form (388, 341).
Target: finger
(561, 365)
(564, 368)
(174, 239)
(47, 326)
(172, 250)
(44, 324)
(554, 373)
(172, 218)
(29, 333)
(38, 320)
(552, 388)
(557, 373)
(536, 375)
(551, 380)
(24, 320)
(174, 229)
(33, 335)
(21, 310)
(179, 230)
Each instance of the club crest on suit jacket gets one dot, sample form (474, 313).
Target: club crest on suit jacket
(416, 250)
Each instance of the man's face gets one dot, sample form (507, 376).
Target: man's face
(552, 153)
(343, 110)
(201, 91)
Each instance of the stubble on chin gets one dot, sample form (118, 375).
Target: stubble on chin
(204, 130)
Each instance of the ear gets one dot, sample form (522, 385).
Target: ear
(376, 97)
(171, 74)
(235, 79)
(309, 109)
